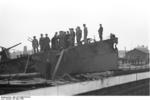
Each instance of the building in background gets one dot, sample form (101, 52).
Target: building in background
(139, 55)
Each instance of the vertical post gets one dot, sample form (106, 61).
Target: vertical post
(27, 64)
(58, 63)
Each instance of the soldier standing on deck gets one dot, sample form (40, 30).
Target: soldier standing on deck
(72, 37)
(35, 45)
(46, 43)
(41, 43)
(100, 32)
(54, 41)
(62, 38)
(61, 42)
(78, 35)
(67, 39)
(4, 54)
(85, 33)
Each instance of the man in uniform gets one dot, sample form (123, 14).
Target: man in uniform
(61, 40)
(78, 35)
(41, 43)
(100, 32)
(54, 41)
(4, 54)
(67, 39)
(46, 43)
(35, 45)
(72, 37)
(85, 33)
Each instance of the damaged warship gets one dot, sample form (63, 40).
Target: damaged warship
(97, 56)
(91, 57)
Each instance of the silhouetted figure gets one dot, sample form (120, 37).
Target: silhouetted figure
(62, 39)
(78, 35)
(85, 33)
(55, 41)
(67, 39)
(72, 37)
(41, 43)
(4, 53)
(100, 32)
(46, 43)
(58, 41)
(35, 45)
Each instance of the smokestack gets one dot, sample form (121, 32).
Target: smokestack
(25, 50)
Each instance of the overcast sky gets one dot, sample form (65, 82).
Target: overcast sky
(20, 19)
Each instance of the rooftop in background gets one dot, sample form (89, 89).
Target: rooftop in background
(143, 49)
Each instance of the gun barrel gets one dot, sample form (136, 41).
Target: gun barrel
(13, 46)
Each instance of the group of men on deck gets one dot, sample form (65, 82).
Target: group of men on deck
(44, 43)
(67, 39)
(63, 40)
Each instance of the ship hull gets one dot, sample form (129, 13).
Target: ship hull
(87, 58)
(94, 57)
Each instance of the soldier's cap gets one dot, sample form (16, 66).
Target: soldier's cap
(70, 28)
(46, 34)
(84, 24)
(34, 36)
(61, 31)
(78, 26)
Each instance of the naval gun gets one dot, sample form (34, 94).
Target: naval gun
(4, 53)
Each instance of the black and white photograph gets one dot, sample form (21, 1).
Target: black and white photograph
(79, 48)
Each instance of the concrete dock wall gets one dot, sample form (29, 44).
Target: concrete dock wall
(82, 87)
